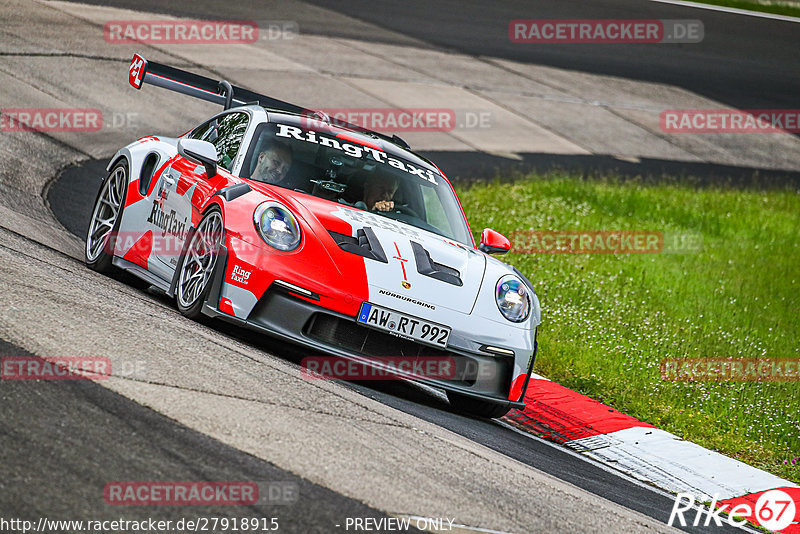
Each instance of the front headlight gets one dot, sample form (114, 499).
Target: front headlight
(277, 226)
(513, 298)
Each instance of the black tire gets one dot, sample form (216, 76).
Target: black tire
(191, 296)
(97, 252)
(475, 407)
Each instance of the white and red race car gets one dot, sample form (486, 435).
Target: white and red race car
(321, 233)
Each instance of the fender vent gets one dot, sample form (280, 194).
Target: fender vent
(148, 169)
(364, 244)
(426, 266)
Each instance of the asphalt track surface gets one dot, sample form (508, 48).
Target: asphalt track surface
(66, 439)
(70, 199)
(745, 62)
(751, 64)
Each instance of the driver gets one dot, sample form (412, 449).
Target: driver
(378, 194)
(273, 164)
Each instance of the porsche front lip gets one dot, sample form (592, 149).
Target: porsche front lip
(282, 315)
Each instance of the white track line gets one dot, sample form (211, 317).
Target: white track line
(677, 465)
(732, 10)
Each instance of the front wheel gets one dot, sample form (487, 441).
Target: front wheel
(476, 407)
(105, 219)
(197, 266)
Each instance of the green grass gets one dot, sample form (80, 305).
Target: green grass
(790, 8)
(609, 320)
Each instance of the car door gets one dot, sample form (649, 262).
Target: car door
(226, 133)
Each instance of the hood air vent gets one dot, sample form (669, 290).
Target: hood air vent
(364, 244)
(426, 266)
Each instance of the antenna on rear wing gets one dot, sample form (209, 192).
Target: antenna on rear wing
(227, 91)
(221, 92)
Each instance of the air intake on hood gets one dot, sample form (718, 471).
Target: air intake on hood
(364, 244)
(428, 267)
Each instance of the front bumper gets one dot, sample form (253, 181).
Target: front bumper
(283, 315)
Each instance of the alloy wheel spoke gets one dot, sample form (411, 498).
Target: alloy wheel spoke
(200, 260)
(105, 213)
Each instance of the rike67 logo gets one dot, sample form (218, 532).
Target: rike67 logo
(775, 510)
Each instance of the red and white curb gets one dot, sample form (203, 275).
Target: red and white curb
(643, 451)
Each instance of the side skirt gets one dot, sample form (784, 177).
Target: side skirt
(140, 272)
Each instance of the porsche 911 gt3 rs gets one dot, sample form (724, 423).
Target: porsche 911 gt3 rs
(318, 232)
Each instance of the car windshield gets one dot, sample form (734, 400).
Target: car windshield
(350, 170)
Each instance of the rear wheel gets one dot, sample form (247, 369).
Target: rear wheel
(476, 407)
(197, 265)
(105, 219)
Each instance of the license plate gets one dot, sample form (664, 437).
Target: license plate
(403, 325)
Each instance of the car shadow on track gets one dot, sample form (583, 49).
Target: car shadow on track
(376, 389)
(393, 391)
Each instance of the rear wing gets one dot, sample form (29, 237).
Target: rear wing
(223, 93)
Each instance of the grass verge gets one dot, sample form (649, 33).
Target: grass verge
(609, 320)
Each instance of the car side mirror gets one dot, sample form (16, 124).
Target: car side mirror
(200, 151)
(493, 242)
